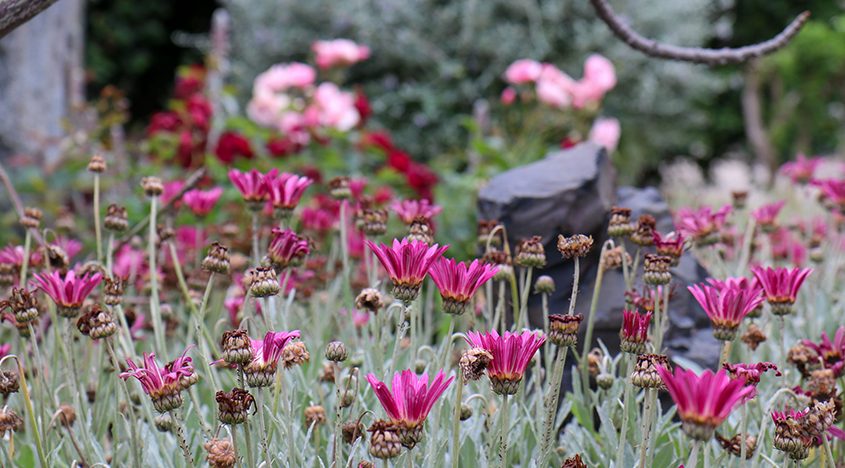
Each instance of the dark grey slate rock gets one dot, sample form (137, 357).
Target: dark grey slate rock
(571, 192)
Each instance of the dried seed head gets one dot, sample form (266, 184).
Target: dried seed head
(656, 269)
(217, 259)
(502, 260)
(264, 282)
(23, 304)
(96, 323)
(9, 421)
(740, 197)
(574, 462)
(804, 358)
(421, 229)
(221, 453)
(644, 233)
(336, 351)
(474, 362)
(384, 439)
(97, 164)
(822, 384)
(369, 299)
(819, 418)
(374, 221)
(295, 354)
(233, 407)
(31, 218)
(164, 233)
(152, 186)
(577, 246)
(113, 289)
(116, 218)
(327, 372)
(65, 415)
(594, 362)
(351, 431)
(57, 257)
(645, 372)
(366, 464)
(620, 222)
(531, 253)
(733, 446)
(339, 187)
(315, 415)
(753, 336)
(563, 329)
(8, 382)
(544, 285)
(485, 233)
(237, 347)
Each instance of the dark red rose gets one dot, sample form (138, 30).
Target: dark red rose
(231, 145)
(379, 140)
(421, 179)
(280, 147)
(185, 152)
(383, 195)
(199, 109)
(399, 160)
(313, 173)
(163, 122)
(568, 142)
(362, 105)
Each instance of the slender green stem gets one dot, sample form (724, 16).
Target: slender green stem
(97, 230)
(627, 400)
(743, 449)
(27, 246)
(344, 254)
(576, 278)
(199, 321)
(180, 437)
(504, 431)
(337, 413)
(551, 406)
(827, 450)
(133, 435)
(648, 414)
(692, 461)
(262, 428)
(456, 424)
(400, 333)
(658, 322)
(588, 335)
(110, 253)
(158, 327)
(726, 352)
(255, 235)
(522, 313)
(30, 413)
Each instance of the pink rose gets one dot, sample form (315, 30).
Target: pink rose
(606, 132)
(508, 96)
(600, 71)
(335, 108)
(554, 87)
(339, 53)
(523, 71)
(284, 76)
(264, 108)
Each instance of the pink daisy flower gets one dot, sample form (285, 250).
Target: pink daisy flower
(634, 332)
(408, 210)
(407, 263)
(287, 248)
(285, 192)
(704, 401)
(265, 357)
(702, 225)
(511, 355)
(458, 282)
(671, 245)
(781, 286)
(164, 385)
(831, 352)
(766, 215)
(201, 202)
(801, 170)
(832, 192)
(726, 306)
(409, 400)
(69, 292)
(253, 185)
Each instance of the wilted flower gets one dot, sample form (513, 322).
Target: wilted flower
(620, 222)
(369, 299)
(781, 286)
(116, 218)
(576, 246)
(734, 447)
(750, 373)
(69, 292)
(827, 352)
(295, 354)
(511, 354)
(314, 415)
(233, 407)
(705, 400)
(473, 363)
(407, 264)
(23, 304)
(458, 282)
(409, 400)
(9, 421)
(221, 453)
(351, 431)
(634, 332)
(530, 253)
(753, 336)
(563, 329)
(164, 385)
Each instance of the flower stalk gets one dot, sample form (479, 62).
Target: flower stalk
(155, 305)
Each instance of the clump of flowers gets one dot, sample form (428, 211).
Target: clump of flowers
(407, 264)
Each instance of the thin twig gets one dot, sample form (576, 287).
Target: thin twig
(702, 55)
(16, 201)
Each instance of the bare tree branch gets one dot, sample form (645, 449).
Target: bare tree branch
(14, 13)
(695, 54)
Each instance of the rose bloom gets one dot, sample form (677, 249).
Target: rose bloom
(554, 87)
(606, 132)
(339, 53)
(333, 108)
(232, 145)
(523, 71)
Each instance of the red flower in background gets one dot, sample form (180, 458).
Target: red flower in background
(165, 121)
(399, 160)
(421, 179)
(362, 105)
(231, 145)
(282, 146)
